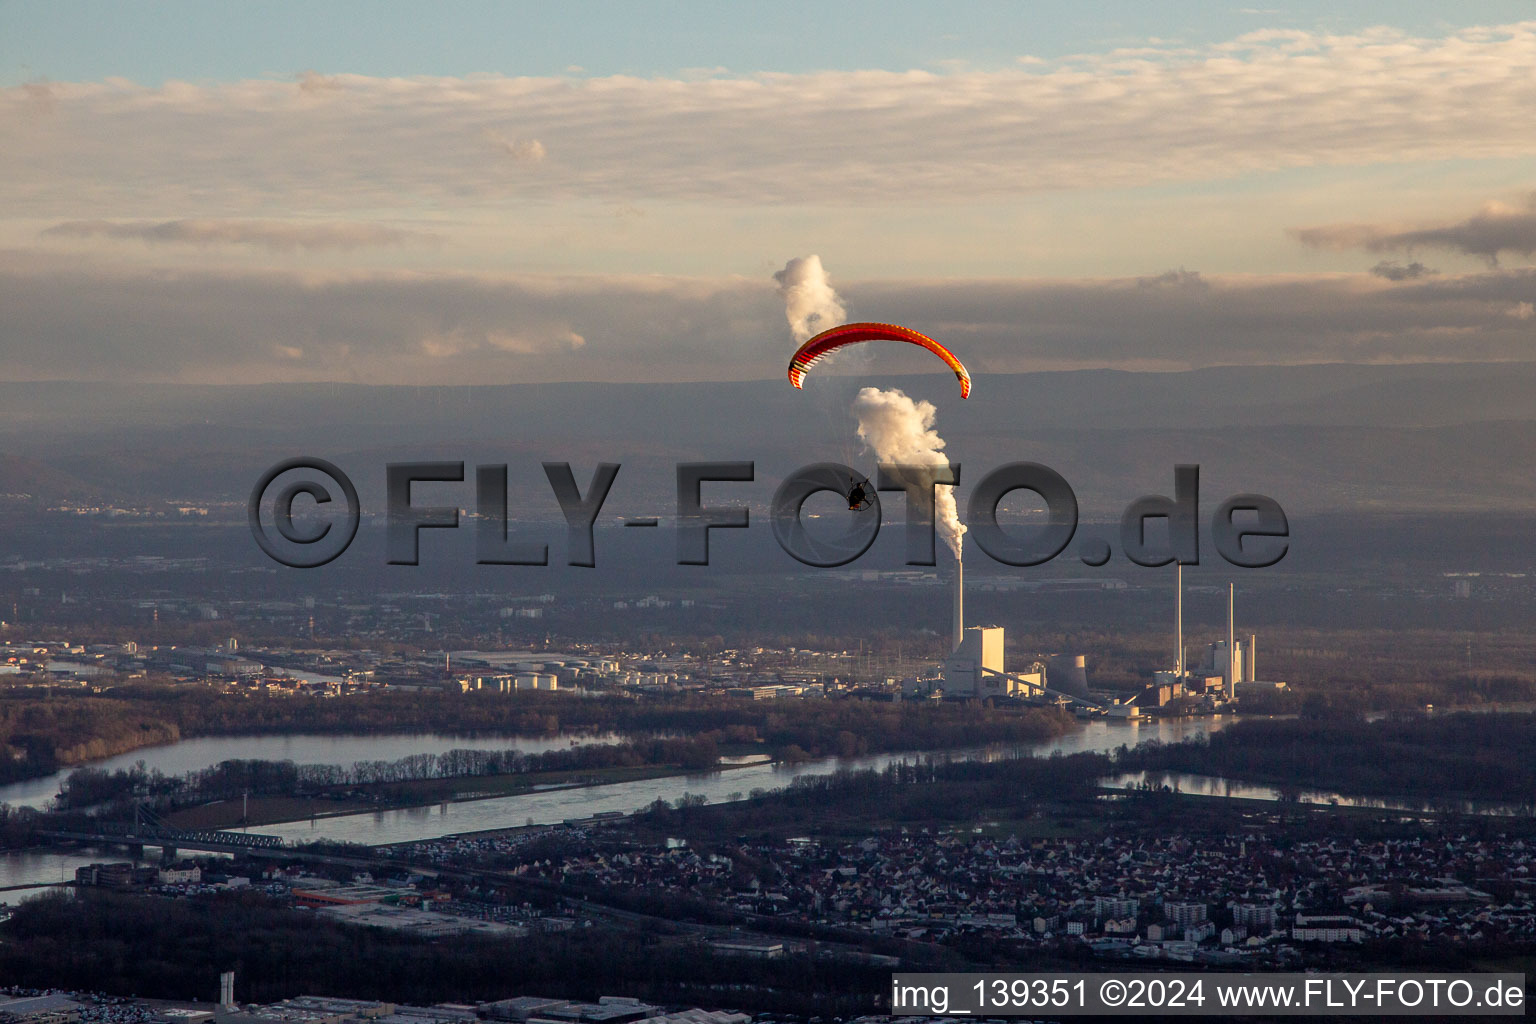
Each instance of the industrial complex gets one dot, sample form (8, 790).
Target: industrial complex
(976, 670)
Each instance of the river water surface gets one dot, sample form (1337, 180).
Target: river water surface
(207, 751)
(552, 806)
(503, 812)
(1215, 785)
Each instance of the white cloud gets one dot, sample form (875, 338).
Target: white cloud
(524, 151)
(1264, 102)
(811, 304)
(313, 81)
(558, 339)
(280, 236)
(38, 96)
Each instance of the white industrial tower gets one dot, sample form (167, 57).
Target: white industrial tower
(959, 594)
(1231, 649)
(1178, 617)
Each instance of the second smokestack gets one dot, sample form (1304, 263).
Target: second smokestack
(959, 595)
(1231, 648)
(1178, 619)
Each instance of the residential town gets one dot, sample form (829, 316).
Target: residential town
(1241, 900)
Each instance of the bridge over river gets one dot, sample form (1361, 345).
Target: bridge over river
(147, 829)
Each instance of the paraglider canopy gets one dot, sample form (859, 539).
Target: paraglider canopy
(852, 334)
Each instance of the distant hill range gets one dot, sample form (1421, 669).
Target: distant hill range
(1318, 438)
(23, 479)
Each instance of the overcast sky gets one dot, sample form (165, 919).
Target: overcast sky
(468, 193)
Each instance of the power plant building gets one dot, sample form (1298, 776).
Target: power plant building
(966, 669)
(1216, 662)
(1226, 672)
(975, 671)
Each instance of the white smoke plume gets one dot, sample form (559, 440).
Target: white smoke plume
(810, 303)
(899, 430)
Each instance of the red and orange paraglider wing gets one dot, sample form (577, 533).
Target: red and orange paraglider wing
(852, 334)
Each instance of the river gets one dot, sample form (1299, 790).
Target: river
(1215, 785)
(207, 751)
(502, 812)
(552, 806)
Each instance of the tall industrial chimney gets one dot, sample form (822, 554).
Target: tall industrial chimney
(1231, 649)
(959, 595)
(1253, 654)
(1178, 617)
